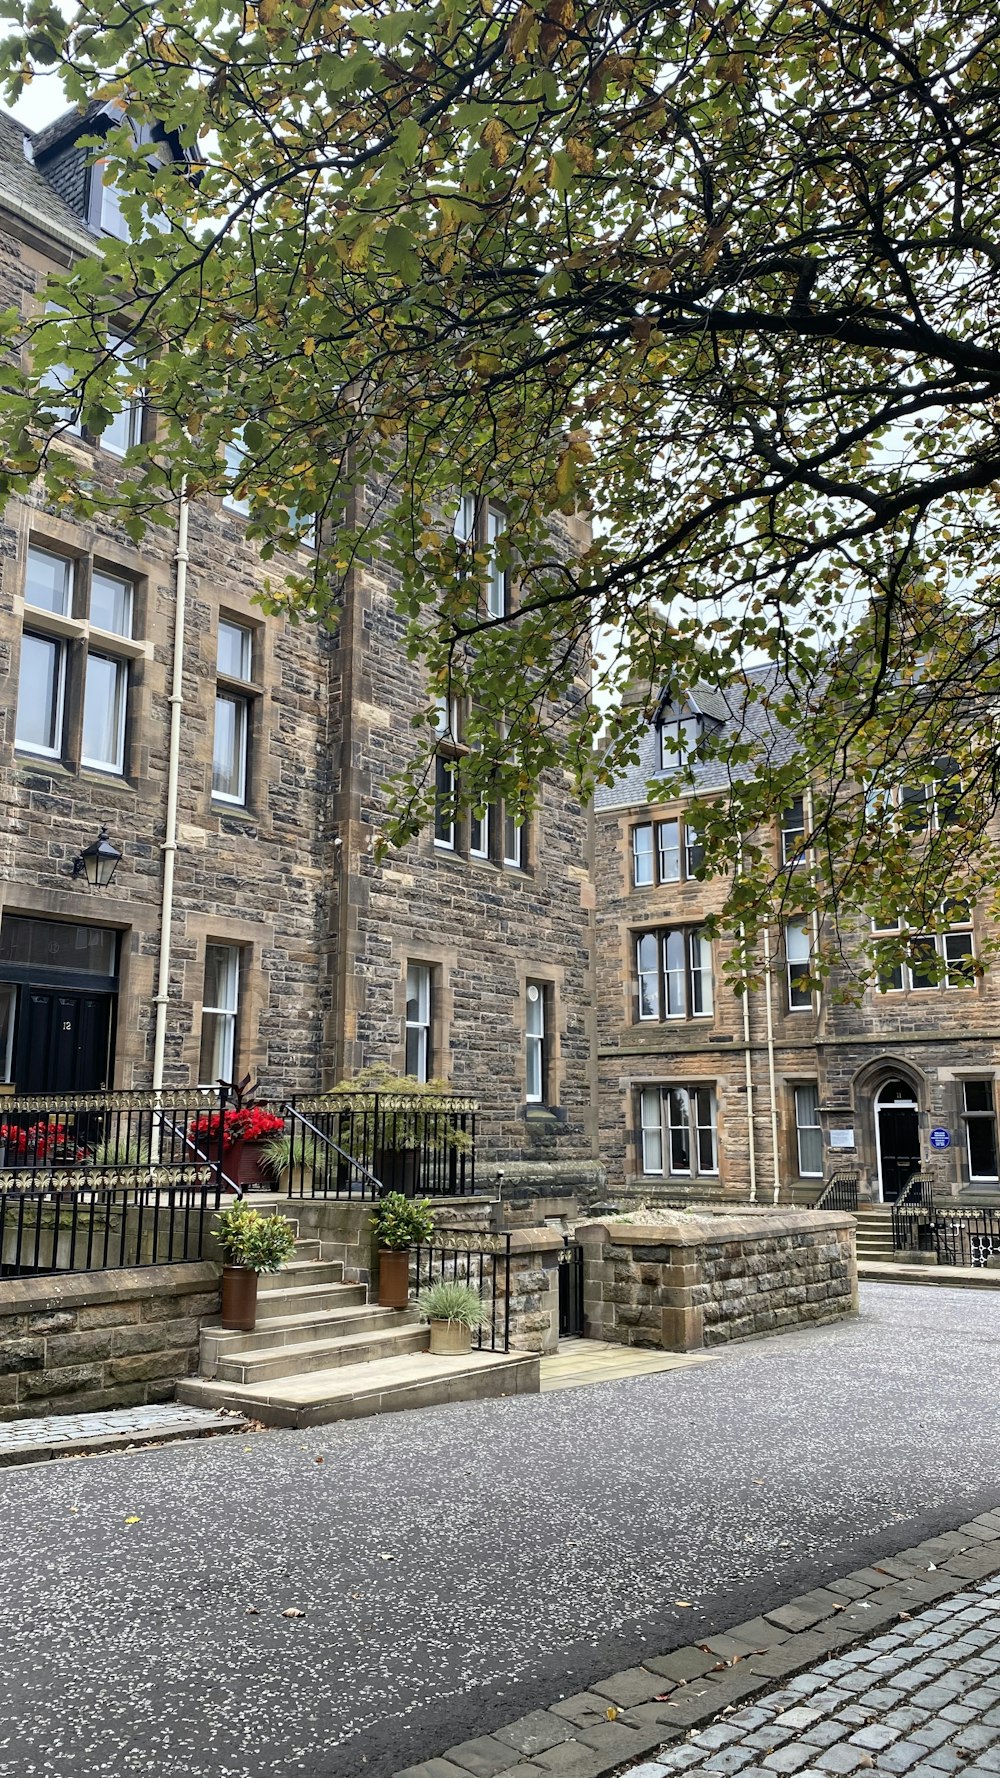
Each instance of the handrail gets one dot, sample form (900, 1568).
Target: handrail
(188, 1141)
(914, 1184)
(845, 1183)
(292, 1111)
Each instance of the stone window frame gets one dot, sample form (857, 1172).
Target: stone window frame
(689, 851)
(662, 1128)
(250, 694)
(794, 966)
(794, 1089)
(254, 938)
(938, 941)
(472, 525)
(976, 1115)
(442, 960)
(689, 931)
(454, 830)
(551, 979)
(76, 637)
(423, 1027)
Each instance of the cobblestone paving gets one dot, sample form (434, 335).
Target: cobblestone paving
(922, 1698)
(22, 1441)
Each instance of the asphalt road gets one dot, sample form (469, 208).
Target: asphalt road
(459, 1566)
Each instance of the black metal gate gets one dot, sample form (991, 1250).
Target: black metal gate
(571, 1290)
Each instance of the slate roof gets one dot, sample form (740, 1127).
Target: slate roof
(735, 713)
(28, 187)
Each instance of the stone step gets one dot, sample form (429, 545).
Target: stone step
(268, 1362)
(302, 1271)
(310, 1250)
(290, 1331)
(384, 1386)
(302, 1298)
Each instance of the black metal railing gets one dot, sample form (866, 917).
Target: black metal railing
(917, 1190)
(124, 1138)
(358, 1146)
(840, 1193)
(481, 1261)
(956, 1237)
(80, 1230)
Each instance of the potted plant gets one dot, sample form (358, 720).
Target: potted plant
(289, 1158)
(397, 1124)
(245, 1130)
(399, 1224)
(250, 1244)
(453, 1310)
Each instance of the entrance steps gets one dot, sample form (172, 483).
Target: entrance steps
(874, 1233)
(321, 1352)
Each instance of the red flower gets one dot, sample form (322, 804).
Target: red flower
(251, 1124)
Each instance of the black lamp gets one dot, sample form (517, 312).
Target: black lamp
(98, 861)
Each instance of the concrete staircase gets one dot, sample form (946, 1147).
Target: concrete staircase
(874, 1233)
(321, 1352)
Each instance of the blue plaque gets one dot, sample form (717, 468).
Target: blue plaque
(940, 1138)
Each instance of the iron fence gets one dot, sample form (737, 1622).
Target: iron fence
(80, 1230)
(480, 1261)
(841, 1193)
(347, 1146)
(957, 1237)
(131, 1134)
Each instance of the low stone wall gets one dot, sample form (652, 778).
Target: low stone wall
(534, 1289)
(689, 1281)
(88, 1340)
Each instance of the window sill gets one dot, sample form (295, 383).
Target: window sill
(546, 1116)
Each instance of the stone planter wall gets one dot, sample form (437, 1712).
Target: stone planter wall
(692, 1281)
(89, 1340)
(534, 1290)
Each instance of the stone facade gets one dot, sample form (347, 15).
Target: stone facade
(94, 1340)
(703, 1281)
(753, 1053)
(288, 877)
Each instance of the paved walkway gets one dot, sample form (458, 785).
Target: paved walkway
(465, 1566)
(68, 1435)
(581, 1362)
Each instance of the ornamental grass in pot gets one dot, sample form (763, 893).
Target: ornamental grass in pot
(399, 1223)
(454, 1310)
(250, 1244)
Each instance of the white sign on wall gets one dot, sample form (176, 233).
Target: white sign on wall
(841, 1138)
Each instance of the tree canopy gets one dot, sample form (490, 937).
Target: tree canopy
(725, 276)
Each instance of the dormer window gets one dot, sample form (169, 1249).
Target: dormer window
(106, 205)
(680, 740)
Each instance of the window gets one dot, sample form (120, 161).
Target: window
(808, 1134)
(8, 1010)
(48, 582)
(496, 580)
(444, 802)
(678, 1131)
(661, 848)
(980, 1119)
(234, 658)
(918, 808)
(41, 693)
(125, 430)
(536, 1045)
(234, 453)
(465, 519)
(798, 961)
(104, 703)
(479, 833)
(418, 1021)
(793, 832)
(674, 974)
(513, 839)
(107, 210)
(927, 952)
(220, 1004)
(680, 739)
(111, 603)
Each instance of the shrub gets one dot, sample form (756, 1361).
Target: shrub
(451, 1300)
(260, 1243)
(402, 1222)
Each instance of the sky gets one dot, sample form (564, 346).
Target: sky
(43, 100)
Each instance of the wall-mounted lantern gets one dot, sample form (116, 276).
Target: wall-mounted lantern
(98, 862)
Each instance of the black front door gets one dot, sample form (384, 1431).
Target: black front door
(63, 1041)
(899, 1147)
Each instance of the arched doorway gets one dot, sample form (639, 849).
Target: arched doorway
(897, 1137)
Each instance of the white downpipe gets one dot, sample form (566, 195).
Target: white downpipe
(161, 999)
(769, 1013)
(749, 1078)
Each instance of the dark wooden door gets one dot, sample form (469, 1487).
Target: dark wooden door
(64, 1041)
(899, 1144)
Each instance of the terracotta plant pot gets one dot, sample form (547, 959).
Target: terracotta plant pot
(239, 1298)
(450, 1339)
(393, 1278)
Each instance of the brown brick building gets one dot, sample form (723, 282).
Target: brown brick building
(292, 954)
(705, 1089)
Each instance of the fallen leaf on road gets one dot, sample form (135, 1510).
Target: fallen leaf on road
(661, 1697)
(387, 1556)
(252, 1611)
(292, 1611)
(612, 1713)
(320, 1459)
(133, 1519)
(685, 1602)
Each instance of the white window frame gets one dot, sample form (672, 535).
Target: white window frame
(445, 770)
(677, 733)
(959, 981)
(479, 833)
(644, 869)
(513, 842)
(234, 453)
(684, 961)
(803, 1128)
(798, 951)
(976, 1116)
(245, 633)
(229, 1014)
(59, 715)
(793, 849)
(496, 578)
(658, 1126)
(227, 692)
(120, 580)
(69, 566)
(8, 996)
(130, 417)
(535, 1039)
(464, 528)
(419, 989)
(121, 667)
(651, 1132)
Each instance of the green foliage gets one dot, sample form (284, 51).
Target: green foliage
(401, 1222)
(121, 1150)
(451, 1300)
(411, 1113)
(723, 278)
(282, 1151)
(246, 1238)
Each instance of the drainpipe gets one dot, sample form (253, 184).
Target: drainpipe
(770, 1063)
(173, 771)
(748, 1066)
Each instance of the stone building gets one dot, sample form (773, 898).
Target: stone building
(703, 1089)
(292, 955)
